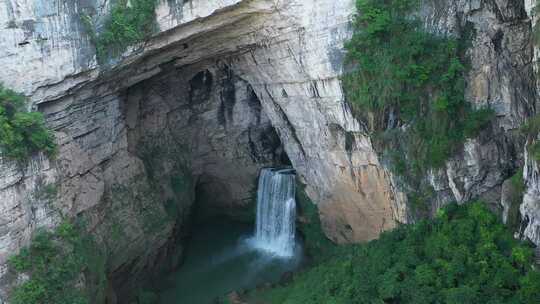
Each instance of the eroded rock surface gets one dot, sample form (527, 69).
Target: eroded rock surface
(501, 78)
(225, 88)
(289, 55)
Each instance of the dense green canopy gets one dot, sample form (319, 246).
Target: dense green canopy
(22, 133)
(463, 256)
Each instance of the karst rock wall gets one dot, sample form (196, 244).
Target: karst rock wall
(223, 89)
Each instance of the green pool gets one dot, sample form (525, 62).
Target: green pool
(220, 259)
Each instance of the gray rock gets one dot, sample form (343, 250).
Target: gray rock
(225, 88)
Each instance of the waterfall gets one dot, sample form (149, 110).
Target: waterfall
(276, 212)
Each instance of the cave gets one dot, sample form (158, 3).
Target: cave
(202, 136)
(164, 142)
(207, 121)
(174, 133)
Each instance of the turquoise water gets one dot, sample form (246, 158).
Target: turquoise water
(219, 259)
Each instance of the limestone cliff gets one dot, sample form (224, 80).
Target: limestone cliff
(223, 89)
(190, 115)
(501, 78)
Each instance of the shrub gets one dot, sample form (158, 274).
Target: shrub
(55, 262)
(464, 255)
(125, 26)
(517, 191)
(22, 133)
(531, 128)
(534, 151)
(417, 77)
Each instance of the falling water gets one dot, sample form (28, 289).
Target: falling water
(276, 212)
(225, 256)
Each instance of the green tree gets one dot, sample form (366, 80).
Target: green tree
(430, 262)
(22, 133)
(125, 26)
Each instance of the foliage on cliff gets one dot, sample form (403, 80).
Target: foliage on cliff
(64, 267)
(317, 246)
(517, 191)
(129, 22)
(22, 133)
(531, 129)
(462, 256)
(408, 85)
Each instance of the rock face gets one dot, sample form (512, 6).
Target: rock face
(529, 209)
(114, 123)
(501, 78)
(225, 88)
(132, 157)
(296, 76)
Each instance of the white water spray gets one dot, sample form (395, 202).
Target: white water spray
(276, 212)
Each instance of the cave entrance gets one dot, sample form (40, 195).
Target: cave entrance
(224, 254)
(203, 121)
(203, 137)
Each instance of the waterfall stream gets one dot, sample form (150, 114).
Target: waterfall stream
(276, 212)
(224, 256)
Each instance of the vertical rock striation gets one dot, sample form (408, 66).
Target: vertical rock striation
(223, 89)
(502, 78)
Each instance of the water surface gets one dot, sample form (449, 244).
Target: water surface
(220, 259)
